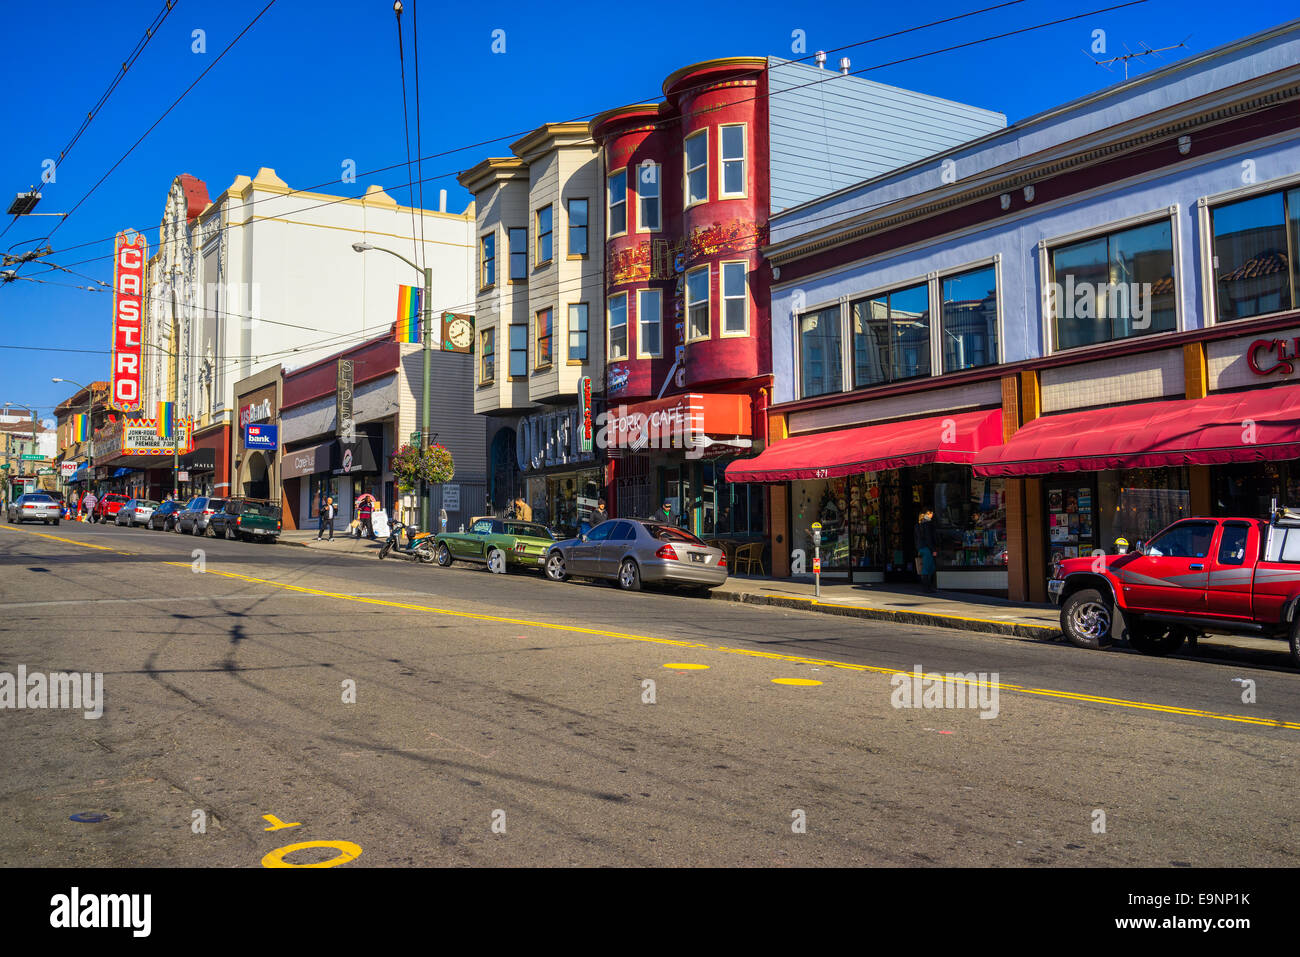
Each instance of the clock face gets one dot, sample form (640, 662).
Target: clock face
(460, 333)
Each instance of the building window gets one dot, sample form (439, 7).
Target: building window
(618, 326)
(697, 167)
(819, 352)
(518, 351)
(970, 319)
(891, 336)
(545, 324)
(618, 203)
(487, 248)
(649, 321)
(543, 236)
(697, 304)
(647, 190)
(577, 227)
(732, 146)
(1114, 286)
(735, 299)
(578, 332)
(487, 362)
(1257, 255)
(518, 254)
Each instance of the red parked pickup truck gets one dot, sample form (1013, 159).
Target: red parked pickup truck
(1236, 576)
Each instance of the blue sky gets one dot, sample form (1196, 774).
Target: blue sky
(316, 83)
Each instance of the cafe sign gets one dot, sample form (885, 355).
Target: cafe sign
(1267, 356)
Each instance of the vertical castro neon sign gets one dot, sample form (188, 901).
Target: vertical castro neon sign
(128, 320)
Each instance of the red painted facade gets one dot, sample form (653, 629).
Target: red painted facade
(371, 360)
(703, 97)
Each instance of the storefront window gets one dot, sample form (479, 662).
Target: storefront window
(318, 486)
(570, 499)
(970, 516)
(1149, 500)
(1071, 518)
(819, 352)
(1249, 490)
(730, 509)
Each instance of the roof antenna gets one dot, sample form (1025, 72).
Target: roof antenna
(1130, 55)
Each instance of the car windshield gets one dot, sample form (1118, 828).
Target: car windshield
(37, 498)
(261, 508)
(528, 529)
(667, 533)
(146, 503)
(216, 503)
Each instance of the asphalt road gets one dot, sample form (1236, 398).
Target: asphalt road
(507, 721)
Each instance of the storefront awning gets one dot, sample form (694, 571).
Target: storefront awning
(872, 448)
(1260, 425)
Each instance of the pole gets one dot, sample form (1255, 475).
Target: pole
(426, 494)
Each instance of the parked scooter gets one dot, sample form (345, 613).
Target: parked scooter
(417, 548)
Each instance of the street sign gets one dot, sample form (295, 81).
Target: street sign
(32, 458)
(45, 471)
(415, 438)
(451, 497)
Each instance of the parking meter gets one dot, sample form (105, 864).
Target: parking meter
(817, 558)
(442, 518)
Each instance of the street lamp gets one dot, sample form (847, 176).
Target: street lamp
(426, 323)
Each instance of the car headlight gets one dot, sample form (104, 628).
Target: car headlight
(1057, 574)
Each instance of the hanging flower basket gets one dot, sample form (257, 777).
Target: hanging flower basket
(411, 463)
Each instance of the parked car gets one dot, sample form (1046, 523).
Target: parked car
(1236, 576)
(33, 507)
(246, 518)
(107, 507)
(497, 543)
(164, 516)
(134, 511)
(196, 514)
(634, 552)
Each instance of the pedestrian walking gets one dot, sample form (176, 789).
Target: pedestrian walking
(365, 508)
(327, 513)
(88, 505)
(925, 546)
(599, 515)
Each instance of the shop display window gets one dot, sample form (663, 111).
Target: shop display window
(1149, 500)
(1071, 513)
(970, 516)
(1249, 490)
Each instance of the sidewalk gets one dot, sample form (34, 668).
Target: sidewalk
(901, 603)
(343, 542)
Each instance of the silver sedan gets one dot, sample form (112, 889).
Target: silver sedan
(33, 507)
(135, 512)
(633, 552)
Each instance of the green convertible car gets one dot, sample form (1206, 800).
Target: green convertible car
(496, 542)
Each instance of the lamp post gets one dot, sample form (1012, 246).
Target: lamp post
(426, 322)
(90, 422)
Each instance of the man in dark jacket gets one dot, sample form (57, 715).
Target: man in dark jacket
(925, 546)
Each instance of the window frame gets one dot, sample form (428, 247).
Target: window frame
(744, 162)
(487, 336)
(993, 262)
(609, 327)
(511, 253)
(846, 369)
(538, 262)
(1046, 246)
(687, 202)
(659, 323)
(931, 283)
(610, 204)
(585, 227)
(1205, 206)
(658, 200)
(569, 331)
(743, 332)
(512, 376)
(708, 298)
(484, 259)
(538, 366)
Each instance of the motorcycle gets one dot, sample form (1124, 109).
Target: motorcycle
(418, 546)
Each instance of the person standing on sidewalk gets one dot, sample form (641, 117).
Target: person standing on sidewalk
(599, 515)
(327, 513)
(365, 507)
(925, 545)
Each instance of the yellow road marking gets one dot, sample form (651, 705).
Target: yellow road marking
(347, 852)
(800, 682)
(70, 541)
(683, 666)
(277, 824)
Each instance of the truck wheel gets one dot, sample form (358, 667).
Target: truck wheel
(1295, 642)
(1086, 619)
(1156, 640)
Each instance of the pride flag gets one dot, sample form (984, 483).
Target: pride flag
(408, 313)
(165, 429)
(81, 428)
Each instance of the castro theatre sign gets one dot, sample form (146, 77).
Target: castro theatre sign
(550, 438)
(128, 314)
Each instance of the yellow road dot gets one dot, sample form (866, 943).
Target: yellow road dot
(801, 682)
(681, 666)
(348, 851)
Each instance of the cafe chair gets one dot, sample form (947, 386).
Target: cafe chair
(748, 556)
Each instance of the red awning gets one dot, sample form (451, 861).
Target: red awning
(872, 448)
(1260, 425)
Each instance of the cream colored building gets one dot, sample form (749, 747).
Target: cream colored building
(539, 239)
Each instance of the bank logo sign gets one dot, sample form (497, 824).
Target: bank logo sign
(262, 437)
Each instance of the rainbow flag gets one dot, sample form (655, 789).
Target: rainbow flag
(166, 428)
(408, 313)
(81, 428)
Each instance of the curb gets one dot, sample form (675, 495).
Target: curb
(985, 625)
